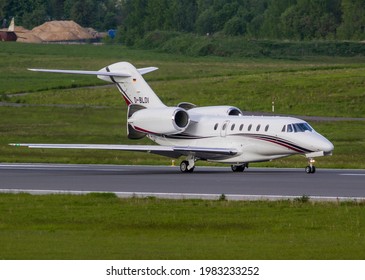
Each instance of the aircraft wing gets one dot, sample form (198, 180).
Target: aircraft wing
(169, 151)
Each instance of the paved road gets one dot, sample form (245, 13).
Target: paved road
(205, 182)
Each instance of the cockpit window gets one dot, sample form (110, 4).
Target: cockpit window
(301, 127)
(297, 127)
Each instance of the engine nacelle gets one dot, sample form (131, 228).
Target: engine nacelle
(217, 111)
(169, 120)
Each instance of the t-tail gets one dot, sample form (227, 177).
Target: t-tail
(128, 80)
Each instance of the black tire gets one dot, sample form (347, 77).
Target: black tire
(310, 169)
(238, 168)
(184, 166)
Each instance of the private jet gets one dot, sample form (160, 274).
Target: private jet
(221, 134)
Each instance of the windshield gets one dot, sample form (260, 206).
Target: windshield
(297, 127)
(301, 127)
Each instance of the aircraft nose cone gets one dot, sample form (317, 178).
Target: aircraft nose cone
(322, 144)
(327, 147)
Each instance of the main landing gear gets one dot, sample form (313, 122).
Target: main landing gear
(187, 166)
(239, 168)
(310, 168)
(184, 167)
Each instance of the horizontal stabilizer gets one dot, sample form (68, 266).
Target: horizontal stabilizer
(82, 72)
(142, 71)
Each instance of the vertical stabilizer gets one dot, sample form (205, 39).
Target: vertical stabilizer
(134, 88)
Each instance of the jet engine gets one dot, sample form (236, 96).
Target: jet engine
(168, 120)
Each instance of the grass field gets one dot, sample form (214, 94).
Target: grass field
(102, 226)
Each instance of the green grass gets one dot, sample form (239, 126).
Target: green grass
(102, 226)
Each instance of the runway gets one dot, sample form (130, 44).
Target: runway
(169, 182)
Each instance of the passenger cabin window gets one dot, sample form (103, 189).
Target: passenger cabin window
(224, 126)
(215, 126)
(232, 127)
(241, 127)
(249, 127)
(267, 128)
(258, 127)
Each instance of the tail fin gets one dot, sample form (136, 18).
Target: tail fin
(134, 88)
(128, 80)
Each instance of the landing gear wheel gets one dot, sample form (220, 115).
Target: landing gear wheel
(238, 168)
(310, 169)
(184, 167)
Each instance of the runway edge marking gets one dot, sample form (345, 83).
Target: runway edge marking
(187, 195)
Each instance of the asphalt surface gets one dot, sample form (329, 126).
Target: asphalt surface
(205, 182)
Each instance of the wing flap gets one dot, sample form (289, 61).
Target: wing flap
(206, 153)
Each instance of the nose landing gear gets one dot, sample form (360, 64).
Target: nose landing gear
(310, 168)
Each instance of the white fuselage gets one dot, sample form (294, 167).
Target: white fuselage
(256, 138)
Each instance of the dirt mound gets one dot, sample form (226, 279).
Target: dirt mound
(54, 31)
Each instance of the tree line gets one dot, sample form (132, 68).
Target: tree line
(253, 19)
(99, 14)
